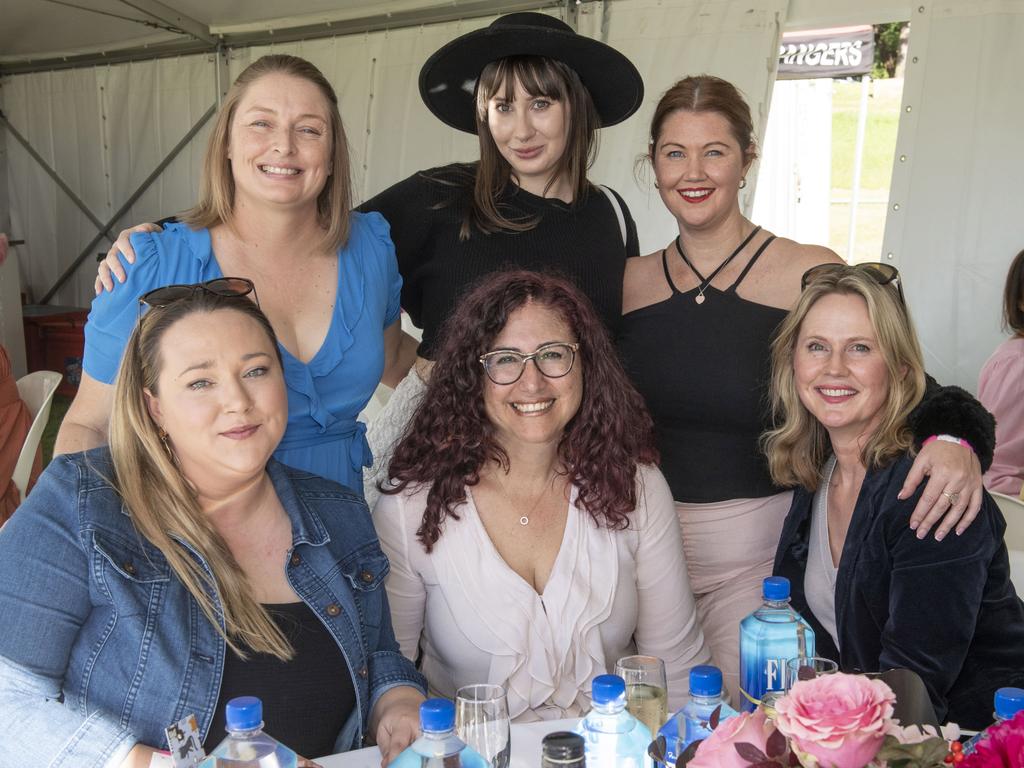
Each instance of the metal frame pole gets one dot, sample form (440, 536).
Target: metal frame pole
(104, 229)
(131, 201)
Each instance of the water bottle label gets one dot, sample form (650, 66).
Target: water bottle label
(185, 743)
(774, 674)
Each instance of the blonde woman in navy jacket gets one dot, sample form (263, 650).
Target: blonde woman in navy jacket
(847, 372)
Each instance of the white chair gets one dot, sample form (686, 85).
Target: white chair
(36, 390)
(1013, 510)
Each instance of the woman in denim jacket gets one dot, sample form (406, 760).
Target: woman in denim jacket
(182, 566)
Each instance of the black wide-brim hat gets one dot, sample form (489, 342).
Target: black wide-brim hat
(448, 79)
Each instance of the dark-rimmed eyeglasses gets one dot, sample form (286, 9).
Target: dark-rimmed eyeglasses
(883, 274)
(506, 366)
(230, 287)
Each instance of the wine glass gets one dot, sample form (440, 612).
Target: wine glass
(646, 689)
(808, 668)
(481, 720)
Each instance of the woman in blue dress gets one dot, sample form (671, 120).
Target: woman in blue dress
(274, 207)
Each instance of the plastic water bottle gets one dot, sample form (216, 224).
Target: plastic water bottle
(705, 698)
(769, 637)
(1008, 702)
(690, 723)
(247, 746)
(613, 737)
(562, 749)
(438, 747)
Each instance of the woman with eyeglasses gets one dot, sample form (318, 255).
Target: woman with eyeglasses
(847, 374)
(698, 319)
(532, 540)
(274, 207)
(182, 566)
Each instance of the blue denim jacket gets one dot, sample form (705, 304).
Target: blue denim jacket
(103, 647)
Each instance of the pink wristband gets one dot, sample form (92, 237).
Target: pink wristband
(949, 439)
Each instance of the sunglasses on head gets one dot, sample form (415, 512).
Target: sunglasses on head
(883, 274)
(229, 287)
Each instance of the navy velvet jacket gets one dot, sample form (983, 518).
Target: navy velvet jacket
(944, 609)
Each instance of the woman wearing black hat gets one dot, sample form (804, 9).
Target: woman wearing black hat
(535, 94)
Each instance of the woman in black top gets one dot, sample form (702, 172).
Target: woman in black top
(699, 316)
(846, 375)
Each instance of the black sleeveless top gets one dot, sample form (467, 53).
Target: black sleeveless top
(307, 700)
(703, 370)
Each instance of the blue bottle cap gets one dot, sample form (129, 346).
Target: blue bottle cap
(607, 689)
(776, 588)
(705, 680)
(1009, 701)
(244, 713)
(437, 715)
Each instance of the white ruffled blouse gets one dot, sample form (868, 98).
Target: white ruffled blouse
(610, 594)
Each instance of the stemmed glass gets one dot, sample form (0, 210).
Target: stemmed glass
(646, 689)
(481, 720)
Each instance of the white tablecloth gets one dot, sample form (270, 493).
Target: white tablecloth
(526, 738)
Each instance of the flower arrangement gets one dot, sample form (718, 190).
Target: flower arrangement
(1002, 747)
(836, 721)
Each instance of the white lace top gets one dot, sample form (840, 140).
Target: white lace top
(610, 594)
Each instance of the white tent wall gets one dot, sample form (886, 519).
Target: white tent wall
(959, 219)
(105, 128)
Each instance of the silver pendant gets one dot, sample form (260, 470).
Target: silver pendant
(699, 298)
(524, 520)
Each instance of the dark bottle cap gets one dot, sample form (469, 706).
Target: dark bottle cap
(562, 749)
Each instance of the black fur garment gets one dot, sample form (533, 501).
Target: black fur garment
(954, 411)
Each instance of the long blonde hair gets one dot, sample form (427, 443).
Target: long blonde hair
(217, 188)
(798, 446)
(162, 502)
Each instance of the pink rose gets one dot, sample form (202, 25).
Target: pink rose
(719, 749)
(1003, 747)
(839, 720)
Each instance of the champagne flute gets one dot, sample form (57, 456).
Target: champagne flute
(646, 689)
(481, 720)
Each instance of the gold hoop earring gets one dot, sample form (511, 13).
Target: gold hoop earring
(656, 185)
(743, 183)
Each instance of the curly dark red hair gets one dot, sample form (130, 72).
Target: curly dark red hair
(450, 437)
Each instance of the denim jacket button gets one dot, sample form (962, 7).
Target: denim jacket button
(296, 558)
(366, 576)
(333, 609)
(362, 672)
(129, 568)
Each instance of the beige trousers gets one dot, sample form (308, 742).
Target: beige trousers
(730, 549)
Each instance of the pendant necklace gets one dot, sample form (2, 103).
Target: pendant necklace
(705, 282)
(524, 520)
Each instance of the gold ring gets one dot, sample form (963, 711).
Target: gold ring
(952, 497)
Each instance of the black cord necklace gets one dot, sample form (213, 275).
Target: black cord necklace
(705, 282)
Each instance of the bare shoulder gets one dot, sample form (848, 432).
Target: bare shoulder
(796, 258)
(644, 282)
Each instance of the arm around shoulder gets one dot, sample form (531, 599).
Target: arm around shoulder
(86, 421)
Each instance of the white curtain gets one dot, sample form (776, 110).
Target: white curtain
(957, 178)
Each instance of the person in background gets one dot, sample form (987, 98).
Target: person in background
(182, 566)
(15, 422)
(847, 373)
(535, 93)
(274, 207)
(1001, 390)
(532, 539)
(699, 317)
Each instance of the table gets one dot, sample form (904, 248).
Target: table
(526, 738)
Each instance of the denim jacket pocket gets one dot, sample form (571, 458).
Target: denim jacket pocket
(365, 571)
(129, 575)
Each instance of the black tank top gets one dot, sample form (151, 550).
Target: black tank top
(703, 370)
(307, 700)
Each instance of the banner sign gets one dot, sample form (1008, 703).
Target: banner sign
(837, 52)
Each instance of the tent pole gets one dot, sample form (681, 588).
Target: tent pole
(175, 18)
(12, 131)
(130, 201)
(858, 157)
